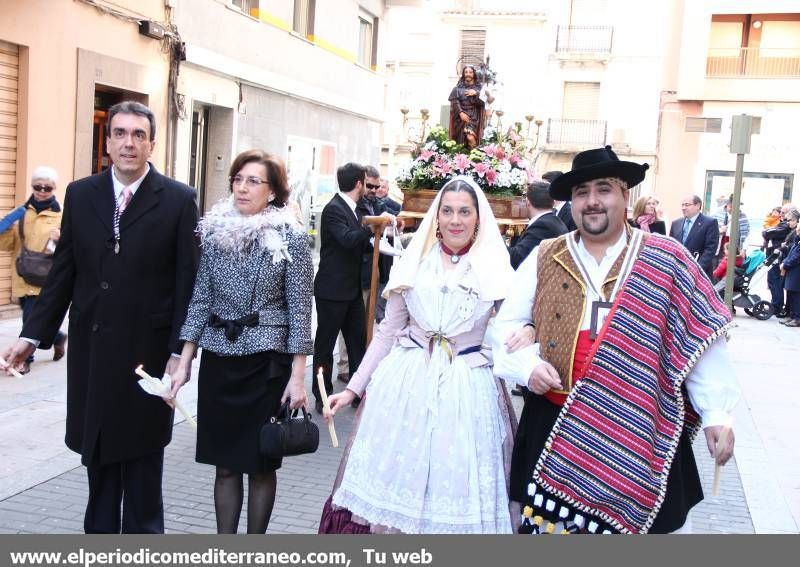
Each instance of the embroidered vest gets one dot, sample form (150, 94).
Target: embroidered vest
(560, 304)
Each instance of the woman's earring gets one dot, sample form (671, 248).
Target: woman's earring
(475, 233)
(438, 232)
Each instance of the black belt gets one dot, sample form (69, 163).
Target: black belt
(233, 327)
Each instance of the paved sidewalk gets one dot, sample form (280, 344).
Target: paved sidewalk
(43, 487)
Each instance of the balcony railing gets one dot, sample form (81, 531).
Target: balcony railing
(753, 62)
(572, 40)
(575, 132)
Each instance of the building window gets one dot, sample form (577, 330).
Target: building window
(367, 39)
(303, 22)
(754, 45)
(473, 46)
(249, 7)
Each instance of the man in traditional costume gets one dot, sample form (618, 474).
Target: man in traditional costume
(630, 361)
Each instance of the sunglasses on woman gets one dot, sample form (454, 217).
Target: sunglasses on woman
(42, 188)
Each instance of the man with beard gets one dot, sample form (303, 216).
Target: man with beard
(630, 360)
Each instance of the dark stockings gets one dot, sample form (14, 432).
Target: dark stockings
(229, 497)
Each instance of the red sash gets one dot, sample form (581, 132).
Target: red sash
(582, 349)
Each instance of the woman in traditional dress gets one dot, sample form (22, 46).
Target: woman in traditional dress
(251, 314)
(434, 435)
(467, 109)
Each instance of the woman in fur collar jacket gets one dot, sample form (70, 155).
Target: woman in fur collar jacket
(251, 314)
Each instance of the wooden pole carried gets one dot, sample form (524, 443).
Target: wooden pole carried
(324, 395)
(721, 442)
(377, 224)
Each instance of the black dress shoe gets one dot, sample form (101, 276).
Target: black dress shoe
(782, 314)
(355, 403)
(318, 406)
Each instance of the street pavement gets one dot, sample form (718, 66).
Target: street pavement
(43, 486)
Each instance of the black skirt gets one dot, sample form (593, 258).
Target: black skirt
(539, 415)
(235, 395)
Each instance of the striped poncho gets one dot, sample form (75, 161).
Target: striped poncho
(611, 448)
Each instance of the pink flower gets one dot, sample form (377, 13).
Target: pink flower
(490, 150)
(461, 162)
(481, 169)
(491, 175)
(514, 136)
(426, 155)
(513, 159)
(442, 166)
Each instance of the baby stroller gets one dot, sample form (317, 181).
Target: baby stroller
(748, 275)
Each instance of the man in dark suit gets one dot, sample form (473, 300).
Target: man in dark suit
(125, 268)
(697, 232)
(563, 209)
(371, 205)
(543, 224)
(337, 285)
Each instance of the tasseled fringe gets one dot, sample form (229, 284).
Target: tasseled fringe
(573, 522)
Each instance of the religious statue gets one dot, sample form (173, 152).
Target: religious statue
(468, 101)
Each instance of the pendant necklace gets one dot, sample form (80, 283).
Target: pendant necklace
(455, 256)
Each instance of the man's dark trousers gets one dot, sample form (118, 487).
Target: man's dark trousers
(350, 318)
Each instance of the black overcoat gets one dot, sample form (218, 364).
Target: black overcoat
(124, 309)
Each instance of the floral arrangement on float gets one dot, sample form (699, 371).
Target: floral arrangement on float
(500, 164)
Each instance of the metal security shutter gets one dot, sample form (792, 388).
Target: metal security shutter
(473, 44)
(581, 101)
(9, 81)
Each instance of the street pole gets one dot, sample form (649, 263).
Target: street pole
(734, 241)
(741, 129)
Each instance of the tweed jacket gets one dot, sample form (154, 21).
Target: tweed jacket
(259, 264)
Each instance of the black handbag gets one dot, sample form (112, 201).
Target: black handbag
(286, 435)
(32, 267)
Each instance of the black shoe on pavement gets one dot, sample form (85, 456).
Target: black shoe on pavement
(318, 406)
(355, 403)
(782, 314)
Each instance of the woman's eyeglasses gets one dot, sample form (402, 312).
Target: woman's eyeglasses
(42, 188)
(248, 181)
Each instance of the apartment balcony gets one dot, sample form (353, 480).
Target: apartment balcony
(753, 62)
(584, 42)
(575, 134)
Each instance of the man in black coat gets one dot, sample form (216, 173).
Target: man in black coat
(543, 224)
(337, 285)
(125, 268)
(389, 204)
(697, 232)
(563, 209)
(371, 205)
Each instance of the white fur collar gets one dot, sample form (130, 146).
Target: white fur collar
(224, 227)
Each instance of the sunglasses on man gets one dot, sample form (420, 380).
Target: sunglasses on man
(372, 186)
(42, 188)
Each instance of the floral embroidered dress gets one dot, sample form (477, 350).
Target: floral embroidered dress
(428, 455)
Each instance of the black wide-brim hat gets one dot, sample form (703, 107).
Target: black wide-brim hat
(596, 164)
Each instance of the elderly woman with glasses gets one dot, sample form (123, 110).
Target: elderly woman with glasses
(251, 314)
(37, 223)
